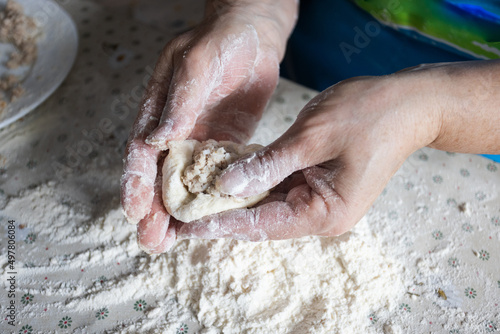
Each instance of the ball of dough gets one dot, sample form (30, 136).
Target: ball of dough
(190, 172)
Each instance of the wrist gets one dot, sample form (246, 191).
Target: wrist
(419, 99)
(468, 98)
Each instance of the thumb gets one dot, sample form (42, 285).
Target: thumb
(306, 143)
(262, 170)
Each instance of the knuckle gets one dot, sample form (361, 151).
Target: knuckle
(335, 220)
(192, 59)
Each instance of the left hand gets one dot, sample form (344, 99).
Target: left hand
(212, 82)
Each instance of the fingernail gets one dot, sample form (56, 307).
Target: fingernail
(244, 178)
(145, 249)
(159, 137)
(155, 141)
(233, 182)
(158, 144)
(154, 137)
(130, 220)
(132, 214)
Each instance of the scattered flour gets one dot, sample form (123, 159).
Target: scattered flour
(85, 258)
(309, 285)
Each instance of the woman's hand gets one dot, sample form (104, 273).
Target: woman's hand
(211, 82)
(347, 143)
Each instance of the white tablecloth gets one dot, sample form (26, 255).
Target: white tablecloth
(440, 214)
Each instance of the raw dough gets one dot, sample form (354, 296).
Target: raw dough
(190, 172)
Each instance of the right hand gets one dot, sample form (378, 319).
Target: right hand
(326, 170)
(212, 82)
(346, 144)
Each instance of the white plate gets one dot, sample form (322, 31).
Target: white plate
(57, 48)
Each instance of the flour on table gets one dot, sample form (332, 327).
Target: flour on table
(190, 174)
(308, 285)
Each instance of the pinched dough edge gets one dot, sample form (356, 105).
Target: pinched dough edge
(186, 206)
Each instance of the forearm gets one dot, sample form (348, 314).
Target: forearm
(470, 107)
(273, 19)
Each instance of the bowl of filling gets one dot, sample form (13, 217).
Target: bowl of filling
(38, 46)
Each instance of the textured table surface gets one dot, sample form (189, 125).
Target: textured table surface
(59, 181)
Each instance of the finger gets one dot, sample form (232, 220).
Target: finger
(270, 221)
(292, 181)
(273, 197)
(236, 126)
(264, 169)
(203, 77)
(185, 102)
(312, 208)
(280, 192)
(168, 241)
(359, 181)
(331, 216)
(303, 145)
(137, 182)
(193, 81)
(152, 230)
(235, 117)
(140, 170)
(278, 195)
